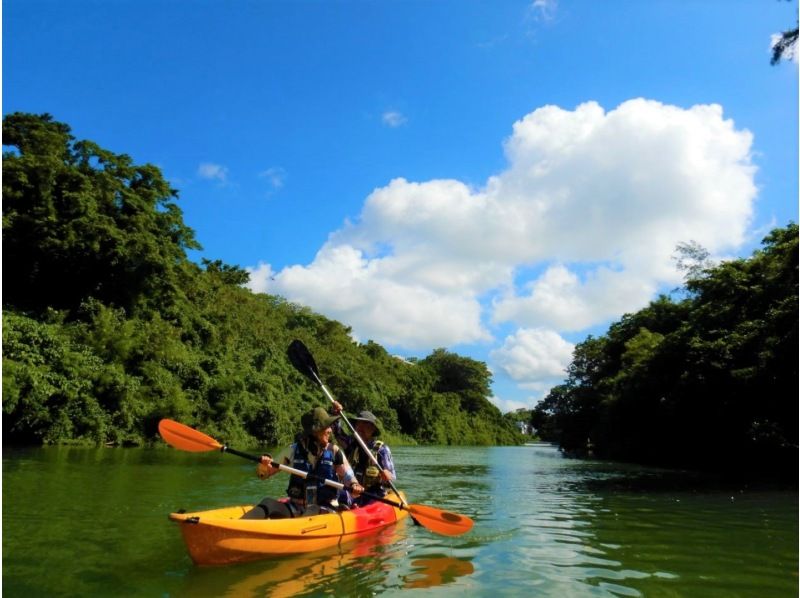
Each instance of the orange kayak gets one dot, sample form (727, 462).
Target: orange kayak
(221, 536)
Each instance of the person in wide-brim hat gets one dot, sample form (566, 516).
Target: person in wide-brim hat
(373, 478)
(367, 417)
(317, 420)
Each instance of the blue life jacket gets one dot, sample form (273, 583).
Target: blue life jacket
(314, 492)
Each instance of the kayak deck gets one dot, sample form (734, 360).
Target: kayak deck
(221, 536)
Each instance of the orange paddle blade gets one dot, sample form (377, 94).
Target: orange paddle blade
(443, 522)
(186, 438)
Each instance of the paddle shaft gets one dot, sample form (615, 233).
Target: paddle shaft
(227, 449)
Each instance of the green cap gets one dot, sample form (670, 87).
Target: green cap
(317, 419)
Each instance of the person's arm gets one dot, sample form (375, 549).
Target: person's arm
(345, 472)
(343, 439)
(386, 462)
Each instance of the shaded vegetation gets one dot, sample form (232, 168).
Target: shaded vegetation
(709, 381)
(108, 327)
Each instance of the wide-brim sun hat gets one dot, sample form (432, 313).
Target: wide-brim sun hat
(317, 419)
(368, 416)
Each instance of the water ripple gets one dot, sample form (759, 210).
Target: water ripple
(544, 526)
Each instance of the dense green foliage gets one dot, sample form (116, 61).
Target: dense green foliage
(109, 327)
(709, 381)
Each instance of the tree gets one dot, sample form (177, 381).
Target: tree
(692, 258)
(470, 380)
(717, 370)
(80, 221)
(108, 327)
(233, 275)
(784, 45)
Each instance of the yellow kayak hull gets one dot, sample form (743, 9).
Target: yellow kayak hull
(221, 536)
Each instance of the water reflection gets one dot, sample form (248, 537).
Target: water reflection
(357, 568)
(551, 541)
(438, 570)
(544, 526)
(583, 528)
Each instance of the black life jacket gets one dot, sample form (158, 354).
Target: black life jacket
(367, 473)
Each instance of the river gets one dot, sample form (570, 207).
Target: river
(93, 522)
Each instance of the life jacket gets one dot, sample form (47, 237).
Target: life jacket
(367, 473)
(313, 492)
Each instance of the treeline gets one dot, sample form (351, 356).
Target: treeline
(108, 326)
(707, 381)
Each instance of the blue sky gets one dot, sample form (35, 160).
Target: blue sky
(496, 178)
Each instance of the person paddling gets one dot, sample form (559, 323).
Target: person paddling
(368, 475)
(312, 452)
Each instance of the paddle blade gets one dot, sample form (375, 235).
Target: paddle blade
(302, 360)
(186, 438)
(442, 522)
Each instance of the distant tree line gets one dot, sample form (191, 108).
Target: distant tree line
(108, 326)
(521, 419)
(705, 381)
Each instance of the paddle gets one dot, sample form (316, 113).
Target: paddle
(303, 361)
(188, 439)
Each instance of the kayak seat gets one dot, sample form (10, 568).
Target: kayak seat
(269, 508)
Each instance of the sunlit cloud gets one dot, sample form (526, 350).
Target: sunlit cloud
(534, 358)
(578, 229)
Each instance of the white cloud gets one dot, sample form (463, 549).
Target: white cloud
(545, 9)
(394, 119)
(616, 193)
(260, 277)
(559, 298)
(361, 292)
(506, 405)
(534, 358)
(592, 202)
(276, 177)
(216, 172)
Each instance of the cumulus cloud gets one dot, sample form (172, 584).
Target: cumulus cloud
(215, 172)
(260, 278)
(376, 300)
(534, 358)
(593, 203)
(561, 299)
(394, 119)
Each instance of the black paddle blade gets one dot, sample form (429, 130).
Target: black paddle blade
(302, 360)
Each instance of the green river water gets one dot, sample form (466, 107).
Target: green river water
(93, 522)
